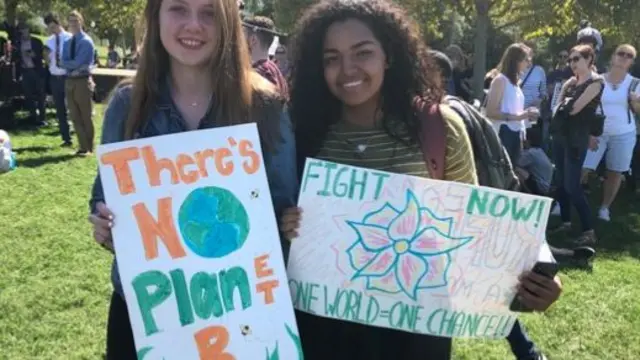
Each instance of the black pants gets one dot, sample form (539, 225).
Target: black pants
(120, 343)
(324, 338)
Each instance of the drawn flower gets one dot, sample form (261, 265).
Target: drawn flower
(403, 251)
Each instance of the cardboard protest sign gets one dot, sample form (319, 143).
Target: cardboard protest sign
(197, 246)
(412, 254)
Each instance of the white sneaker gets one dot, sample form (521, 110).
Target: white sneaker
(604, 214)
(556, 210)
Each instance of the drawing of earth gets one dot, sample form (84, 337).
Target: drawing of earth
(213, 222)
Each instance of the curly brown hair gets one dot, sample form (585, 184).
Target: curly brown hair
(412, 71)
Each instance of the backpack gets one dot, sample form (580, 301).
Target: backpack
(493, 166)
(632, 88)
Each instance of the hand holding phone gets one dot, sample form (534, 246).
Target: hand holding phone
(538, 289)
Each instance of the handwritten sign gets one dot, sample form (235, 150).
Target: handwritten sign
(412, 254)
(198, 248)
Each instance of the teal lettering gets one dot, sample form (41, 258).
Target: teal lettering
(373, 309)
(499, 202)
(308, 174)
(522, 213)
(152, 288)
(340, 189)
(355, 183)
(230, 280)
(476, 203)
(205, 297)
(403, 316)
(182, 297)
(327, 180)
(303, 295)
(380, 181)
(434, 322)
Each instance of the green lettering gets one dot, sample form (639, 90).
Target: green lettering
(205, 297)
(522, 213)
(500, 202)
(355, 183)
(476, 203)
(340, 189)
(327, 180)
(381, 178)
(230, 280)
(308, 174)
(152, 288)
(182, 297)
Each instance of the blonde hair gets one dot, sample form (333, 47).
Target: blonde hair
(78, 15)
(239, 92)
(628, 47)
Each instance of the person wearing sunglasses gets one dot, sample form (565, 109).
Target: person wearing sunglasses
(572, 130)
(620, 102)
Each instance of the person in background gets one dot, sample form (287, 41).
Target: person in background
(282, 60)
(78, 59)
(30, 70)
(535, 169)
(58, 75)
(113, 58)
(462, 73)
(572, 136)
(619, 104)
(505, 101)
(533, 82)
(588, 35)
(260, 32)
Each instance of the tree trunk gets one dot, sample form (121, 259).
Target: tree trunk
(11, 8)
(480, 47)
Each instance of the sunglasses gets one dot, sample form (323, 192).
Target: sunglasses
(624, 54)
(574, 59)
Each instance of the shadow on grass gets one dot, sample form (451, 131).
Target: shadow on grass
(45, 160)
(38, 149)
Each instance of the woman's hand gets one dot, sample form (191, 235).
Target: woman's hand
(538, 292)
(634, 97)
(593, 143)
(533, 113)
(290, 222)
(102, 222)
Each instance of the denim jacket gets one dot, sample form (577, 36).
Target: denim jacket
(280, 164)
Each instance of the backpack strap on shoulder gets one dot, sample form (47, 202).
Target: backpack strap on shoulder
(433, 137)
(632, 88)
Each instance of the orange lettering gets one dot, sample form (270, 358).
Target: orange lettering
(267, 288)
(155, 166)
(246, 150)
(201, 158)
(224, 169)
(164, 228)
(188, 177)
(119, 161)
(209, 350)
(260, 264)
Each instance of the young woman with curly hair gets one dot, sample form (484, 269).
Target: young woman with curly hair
(194, 74)
(357, 68)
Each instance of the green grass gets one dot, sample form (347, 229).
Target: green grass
(54, 281)
(102, 50)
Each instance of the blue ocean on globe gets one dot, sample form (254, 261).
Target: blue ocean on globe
(213, 222)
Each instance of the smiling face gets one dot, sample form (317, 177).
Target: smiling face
(188, 31)
(354, 62)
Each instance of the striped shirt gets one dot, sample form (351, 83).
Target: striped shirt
(535, 88)
(375, 149)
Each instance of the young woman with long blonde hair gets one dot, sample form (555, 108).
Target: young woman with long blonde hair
(194, 73)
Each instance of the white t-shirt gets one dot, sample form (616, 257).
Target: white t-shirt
(51, 44)
(615, 104)
(512, 103)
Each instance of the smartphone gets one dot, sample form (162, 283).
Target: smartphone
(547, 269)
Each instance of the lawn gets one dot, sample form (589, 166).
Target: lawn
(54, 281)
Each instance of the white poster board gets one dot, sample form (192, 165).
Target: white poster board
(198, 248)
(412, 254)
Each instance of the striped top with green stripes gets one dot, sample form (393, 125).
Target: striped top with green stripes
(375, 149)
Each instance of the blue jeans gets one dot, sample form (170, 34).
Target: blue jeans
(57, 90)
(569, 161)
(512, 142)
(521, 346)
(33, 88)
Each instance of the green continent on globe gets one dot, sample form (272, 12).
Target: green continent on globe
(213, 222)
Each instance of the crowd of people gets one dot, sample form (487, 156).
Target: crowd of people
(344, 90)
